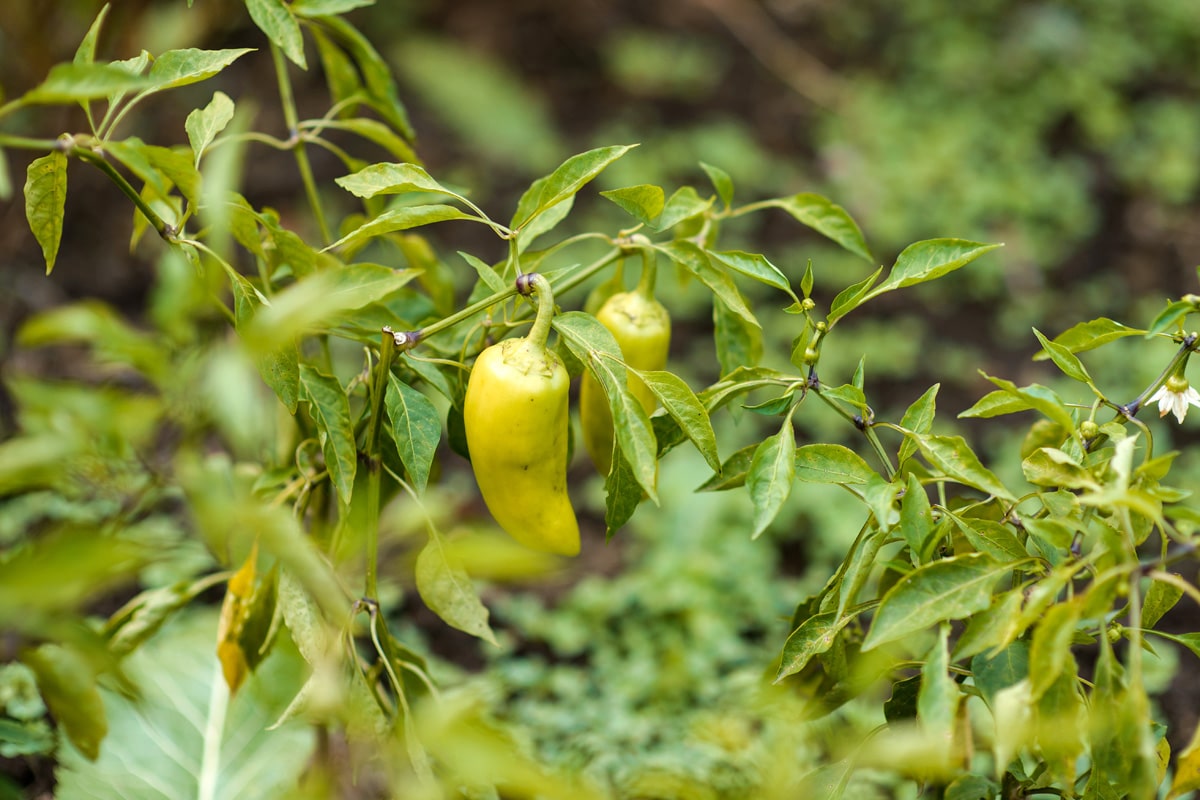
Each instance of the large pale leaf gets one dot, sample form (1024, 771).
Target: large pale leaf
(571, 176)
(447, 589)
(928, 260)
(826, 218)
(1089, 335)
(185, 738)
(953, 588)
(832, 463)
(182, 67)
(45, 200)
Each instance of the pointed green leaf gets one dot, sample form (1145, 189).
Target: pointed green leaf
(416, 427)
(341, 76)
(1090, 335)
(832, 463)
(1160, 598)
(757, 267)
(990, 537)
(814, 636)
(1170, 317)
(739, 343)
(996, 403)
(772, 471)
(938, 699)
(326, 8)
(643, 202)
(595, 346)
(67, 83)
(622, 492)
(1040, 398)
(928, 260)
(1049, 466)
(45, 201)
(391, 179)
(720, 181)
(486, 272)
(376, 74)
(275, 20)
(446, 588)
(826, 218)
(682, 205)
(67, 682)
(1064, 359)
(851, 297)
(397, 219)
(732, 474)
(690, 256)
(916, 516)
(1050, 649)
(954, 457)
(571, 176)
(681, 403)
(918, 418)
(953, 588)
(331, 411)
(280, 368)
(86, 52)
(182, 67)
(375, 131)
(204, 124)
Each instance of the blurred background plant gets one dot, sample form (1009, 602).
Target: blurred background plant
(1066, 130)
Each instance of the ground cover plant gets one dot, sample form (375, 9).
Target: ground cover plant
(221, 524)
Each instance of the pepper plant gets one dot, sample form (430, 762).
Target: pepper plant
(300, 379)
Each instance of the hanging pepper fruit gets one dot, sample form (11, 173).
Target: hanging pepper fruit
(642, 328)
(516, 420)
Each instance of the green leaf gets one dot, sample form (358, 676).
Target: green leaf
(622, 494)
(692, 258)
(376, 74)
(1170, 317)
(45, 201)
(720, 181)
(918, 418)
(851, 297)
(916, 516)
(953, 588)
(571, 176)
(757, 267)
(732, 473)
(1160, 598)
(391, 179)
(323, 8)
(1040, 398)
(681, 403)
(643, 202)
(67, 83)
(1090, 335)
(275, 20)
(279, 368)
(67, 682)
(416, 427)
(770, 477)
(176, 68)
(595, 346)
(832, 463)
(203, 125)
(1049, 466)
(954, 457)
(814, 636)
(331, 411)
(996, 403)
(990, 537)
(1050, 648)
(995, 673)
(826, 218)
(86, 52)
(446, 588)
(489, 275)
(1064, 359)
(682, 205)
(397, 219)
(738, 342)
(375, 131)
(341, 76)
(184, 736)
(938, 699)
(928, 260)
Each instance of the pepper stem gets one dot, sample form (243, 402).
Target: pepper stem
(536, 282)
(645, 285)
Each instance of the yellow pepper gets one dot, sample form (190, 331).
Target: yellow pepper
(516, 420)
(642, 328)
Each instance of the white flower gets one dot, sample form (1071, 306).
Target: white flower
(1175, 396)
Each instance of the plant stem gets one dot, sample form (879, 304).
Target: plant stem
(383, 370)
(540, 331)
(167, 232)
(291, 119)
(645, 285)
(25, 143)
